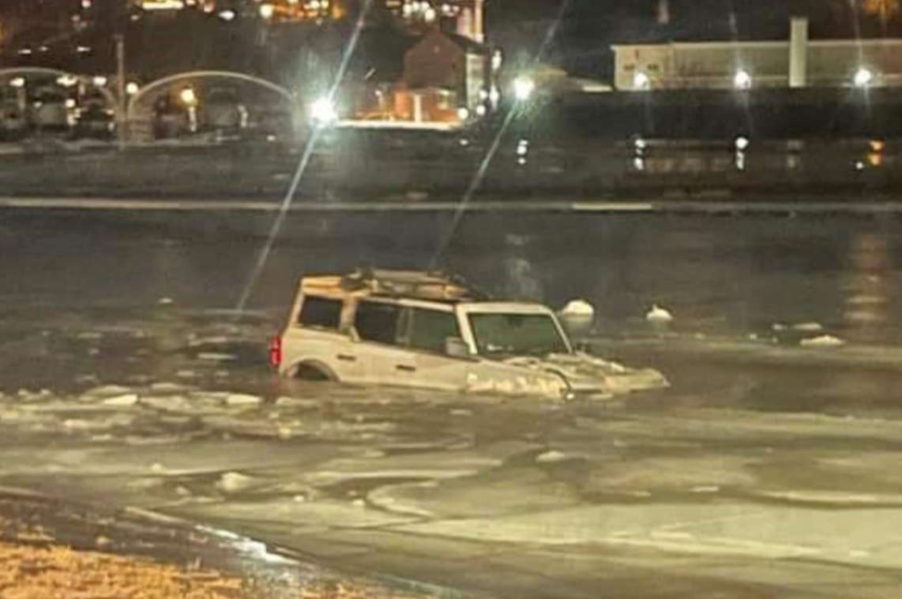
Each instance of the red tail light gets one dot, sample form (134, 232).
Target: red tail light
(275, 351)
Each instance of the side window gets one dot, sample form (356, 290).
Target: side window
(320, 313)
(430, 328)
(377, 322)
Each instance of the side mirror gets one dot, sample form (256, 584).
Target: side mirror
(457, 347)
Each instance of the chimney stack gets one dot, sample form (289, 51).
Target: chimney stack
(798, 52)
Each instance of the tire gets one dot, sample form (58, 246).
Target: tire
(312, 372)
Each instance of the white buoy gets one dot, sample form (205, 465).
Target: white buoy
(578, 307)
(578, 316)
(659, 315)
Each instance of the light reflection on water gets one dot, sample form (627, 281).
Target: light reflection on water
(867, 287)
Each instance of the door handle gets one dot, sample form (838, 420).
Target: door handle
(346, 358)
(405, 368)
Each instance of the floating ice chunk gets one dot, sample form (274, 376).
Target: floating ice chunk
(293, 402)
(102, 541)
(165, 301)
(359, 503)
(551, 457)
(658, 314)
(90, 335)
(578, 307)
(125, 400)
(233, 482)
(808, 327)
(779, 326)
(128, 399)
(215, 357)
(864, 300)
(823, 341)
(157, 467)
(239, 399)
(26, 395)
(195, 341)
(168, 388)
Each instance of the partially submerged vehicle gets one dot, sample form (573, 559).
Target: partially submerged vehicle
(430, 331)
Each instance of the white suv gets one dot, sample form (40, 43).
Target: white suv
(428, 331)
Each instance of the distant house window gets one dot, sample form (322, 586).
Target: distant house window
(629, 68)
(377, 322)
(320, 313)
(654, 67)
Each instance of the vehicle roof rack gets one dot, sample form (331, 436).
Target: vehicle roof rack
(432, 285)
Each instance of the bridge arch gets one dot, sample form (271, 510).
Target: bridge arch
(12, 72)
(163, 82)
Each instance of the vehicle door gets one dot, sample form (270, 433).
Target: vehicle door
(317, 338)
(426, 333)
(405, 346)
(382, 358)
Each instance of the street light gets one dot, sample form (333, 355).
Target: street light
(267, 11)
(323, 112)
(131, 88)
(100, 81)
(742, 80)
(17, 82)
(67, 80)
(524, 87)
(863, 77)
(188, 97)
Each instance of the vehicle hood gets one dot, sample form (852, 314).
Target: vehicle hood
(590, 375)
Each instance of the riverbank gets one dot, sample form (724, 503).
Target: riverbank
(442, 168)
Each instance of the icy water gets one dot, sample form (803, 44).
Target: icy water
(768, 469)
(112, 295)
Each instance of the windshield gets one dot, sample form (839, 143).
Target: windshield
(517, 335)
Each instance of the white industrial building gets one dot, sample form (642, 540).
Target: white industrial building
(797, 62)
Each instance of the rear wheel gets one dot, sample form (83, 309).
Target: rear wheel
(313, 372)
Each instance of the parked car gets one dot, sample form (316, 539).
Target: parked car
(223, 112)
(52, 110)
(12, 122)
(95, 121)
(427, 330)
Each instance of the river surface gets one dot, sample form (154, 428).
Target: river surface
(724, 275)
(769, 468)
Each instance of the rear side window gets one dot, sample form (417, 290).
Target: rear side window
(430, 328)
(377, 322)
(320, 313)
